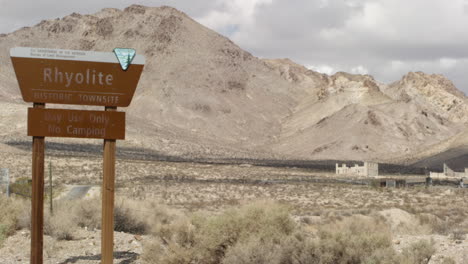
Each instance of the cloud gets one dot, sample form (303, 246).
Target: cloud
(15, 14)
(384, 38)
(454, 69)
(448, 63)
(359, 70)
(232, 13)
(322, 69)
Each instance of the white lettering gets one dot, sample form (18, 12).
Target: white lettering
(53, 129)
(88, 77)
(69, 77)
(100, 78)
(50, 117)
(109, 79)
(58, 75)
(47, 74)
(105, 99)
(86, 131)
(99, 119)
(79, 78)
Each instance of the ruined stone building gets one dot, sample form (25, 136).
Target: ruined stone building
(449, 173)
(369, 169)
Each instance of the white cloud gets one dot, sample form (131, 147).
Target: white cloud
(434, 24)
(359, 70)
(448, 63)
(384, 38)
(322, 69)
(387, 38)
(231, 13)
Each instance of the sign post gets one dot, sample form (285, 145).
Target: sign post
(108, 184)
(37, 198)
(79, 78)
(51, 191)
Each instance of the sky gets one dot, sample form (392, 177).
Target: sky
(383, 38)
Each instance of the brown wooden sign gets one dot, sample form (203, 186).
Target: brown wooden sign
(76, 123)
(75, 77)
(80, 78)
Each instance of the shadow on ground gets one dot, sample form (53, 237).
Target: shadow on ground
(126, 257)
(144, 154)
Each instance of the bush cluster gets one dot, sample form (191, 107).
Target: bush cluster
(129, 217)
(264, 232)
(261, 232)
(14, 215)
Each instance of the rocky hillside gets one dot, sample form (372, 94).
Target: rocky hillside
(433, 92)
(203, 96)
(198, 87)
(349, 116)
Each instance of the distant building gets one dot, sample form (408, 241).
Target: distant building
(449, 173)
(370, 169)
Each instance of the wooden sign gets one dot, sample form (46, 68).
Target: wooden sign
(80, 78)
(74, 76)
(76, 123)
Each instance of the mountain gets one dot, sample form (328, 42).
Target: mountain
(354, 117)
(201, 95)
(434, 92)
(198, 86)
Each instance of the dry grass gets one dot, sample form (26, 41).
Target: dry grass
(419, 252)
(13, 216)
(265, 232)
(129, 217)
(259, 232)
(195, 213)
(62, 225)
(206, 239)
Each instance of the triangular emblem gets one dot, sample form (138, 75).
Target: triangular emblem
(125, 57)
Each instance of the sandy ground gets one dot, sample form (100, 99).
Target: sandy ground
(85, 249)
(209, 187)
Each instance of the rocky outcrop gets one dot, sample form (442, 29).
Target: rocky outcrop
(433, 92)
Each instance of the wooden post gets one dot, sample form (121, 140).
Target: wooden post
(51, 192)
(108, 183)
(37, 197)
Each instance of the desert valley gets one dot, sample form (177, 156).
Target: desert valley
(231, 158)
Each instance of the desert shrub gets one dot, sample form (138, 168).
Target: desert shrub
(22, 187)
(61, 224)
(87, 213)
(263, 220)
(176, 243)
(353, 240)
(142, 217)
(4, 229)
(128, 218)
(292, 249)
(448, 260)
(264, 232)
(418, 252)
(254, 250)
(383, 256)
(458, 234)
(438, 226)
(206, 239)
(13, 216)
